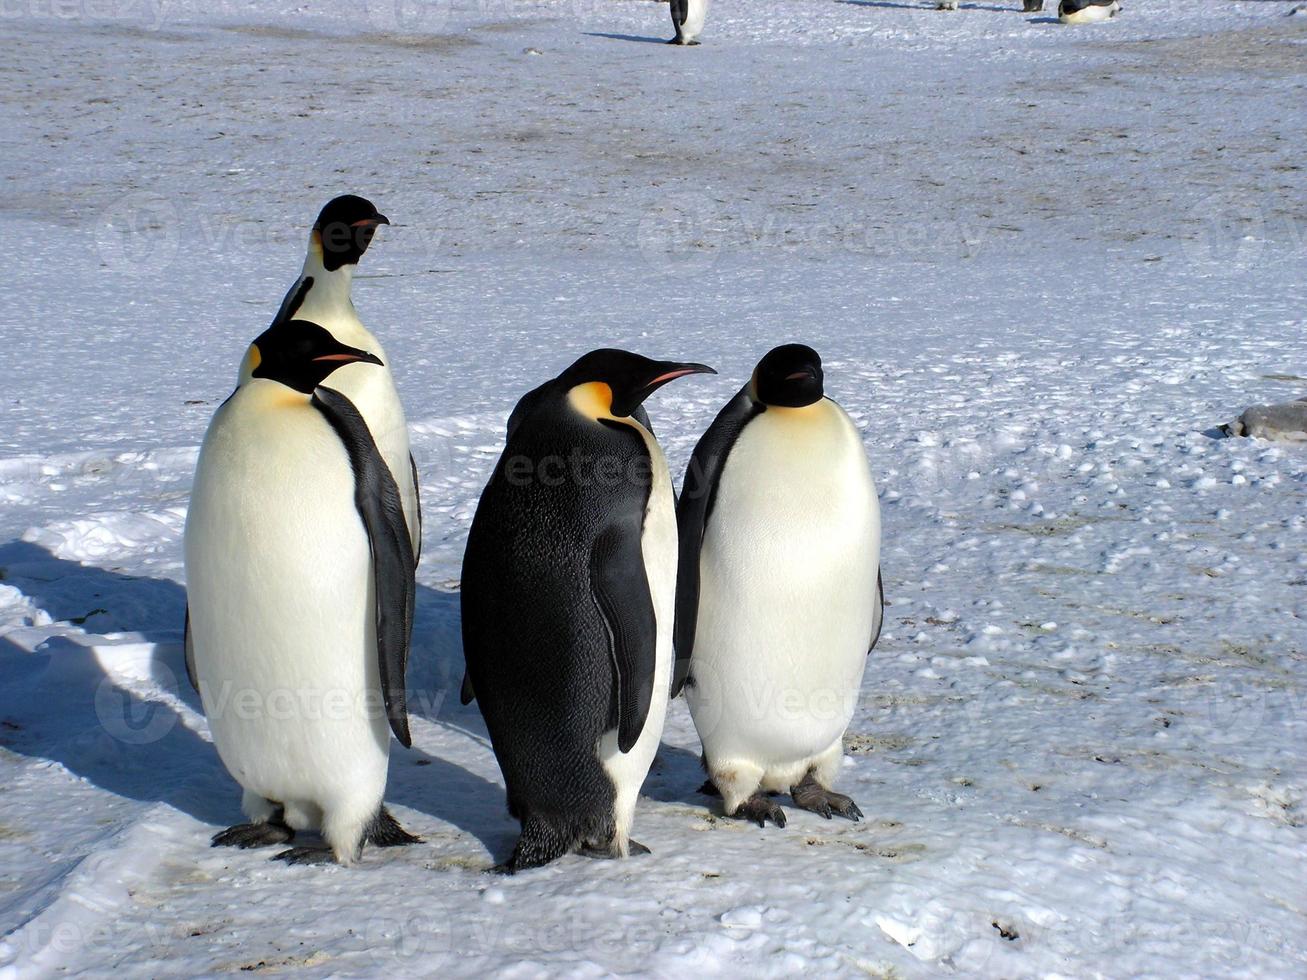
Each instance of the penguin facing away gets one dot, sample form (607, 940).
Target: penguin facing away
(568, 595)
(778, 597)
(300, 592)
(1087, 11)
(687, 19)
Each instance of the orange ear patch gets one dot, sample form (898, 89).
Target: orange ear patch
(593, 400)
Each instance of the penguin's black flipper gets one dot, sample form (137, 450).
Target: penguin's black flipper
(621, 591)
(692, 512)
(680, 9)
(417, 506)
(377, 498)
(292, 301)
(188, 647)
(879, 618)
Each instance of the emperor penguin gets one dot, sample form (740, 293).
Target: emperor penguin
(341, 234)
(1087, 11)
(687, 18)
(300, 590)
(778, 598)
(568, 597)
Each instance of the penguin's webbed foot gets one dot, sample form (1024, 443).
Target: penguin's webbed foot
(760, 809)
(385, 831)
(313, 854)
(246, 835)
(709, 788)
(634, 848)
(811, 795)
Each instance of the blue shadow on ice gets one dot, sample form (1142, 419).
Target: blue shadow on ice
(627, 37)
(60, 702)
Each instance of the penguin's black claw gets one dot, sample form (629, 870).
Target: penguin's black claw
(316, 854)
(709, 788)
(634, 847)
(385, 831)
(691, 44)
(245, 835)
(810, 795)
(506, 868)
(759, 809)
(675, 40)
(600, 852)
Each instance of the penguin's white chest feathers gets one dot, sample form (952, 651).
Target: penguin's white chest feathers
(789, 566)
(695, 15)
(280, 592)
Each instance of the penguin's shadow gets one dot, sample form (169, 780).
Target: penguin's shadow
(675, 777)
(112, 714)
(1043, 20)
(627, 37)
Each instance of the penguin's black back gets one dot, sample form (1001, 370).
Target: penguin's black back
(536, 642)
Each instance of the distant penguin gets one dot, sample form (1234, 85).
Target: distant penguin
(687, 18)
(1032, 6)
(568, 596)
(946, 5)
(1087, 11)
(299, 574)
(778, 596)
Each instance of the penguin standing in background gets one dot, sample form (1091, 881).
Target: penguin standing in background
(687, 18)
(1087, 11)
(341, 234)
(778, 598)
(300, 590)
(568, 598)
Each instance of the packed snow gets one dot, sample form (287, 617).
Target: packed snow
(1043, 265)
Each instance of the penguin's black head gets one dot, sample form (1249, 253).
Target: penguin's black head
(345, 228)
(301, 355)
(789, 376)
(620, 380)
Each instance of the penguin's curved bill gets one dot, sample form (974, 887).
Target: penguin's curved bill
(376, 219)
(667, 371)
(349, 357)
(805, 374)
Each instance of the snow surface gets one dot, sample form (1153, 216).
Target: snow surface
(1042, 264)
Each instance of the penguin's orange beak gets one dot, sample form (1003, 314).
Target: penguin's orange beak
(664, 371)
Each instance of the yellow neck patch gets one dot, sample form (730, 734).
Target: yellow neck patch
(253, 358)
(593, 400)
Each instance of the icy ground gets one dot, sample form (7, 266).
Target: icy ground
(1042, 264)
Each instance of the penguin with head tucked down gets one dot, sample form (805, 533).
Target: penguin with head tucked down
(300, 589)
(778, 598)
(568, 595)
(1087, 11)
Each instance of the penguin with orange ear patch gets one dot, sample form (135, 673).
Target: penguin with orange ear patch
(568, 594)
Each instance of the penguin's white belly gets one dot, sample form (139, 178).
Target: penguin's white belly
(374, 394)
(280, 594)
(788, 583)
(696, 13)
(658, 545)
(1090, 15)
